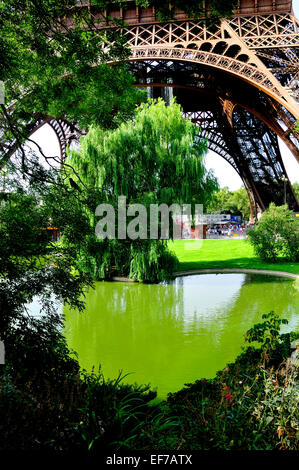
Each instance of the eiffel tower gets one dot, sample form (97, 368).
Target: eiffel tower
(237, 80)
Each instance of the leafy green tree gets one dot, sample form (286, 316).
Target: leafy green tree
(219, 201)
(296, 189)
(30, 264)
(235, 202)
(155, 159)
(240, 200)
(276, 235)
(51, 67)
(157, 155)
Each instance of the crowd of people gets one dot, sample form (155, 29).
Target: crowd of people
(227, 230)
(212, 231)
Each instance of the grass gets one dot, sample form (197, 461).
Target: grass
(218, 254)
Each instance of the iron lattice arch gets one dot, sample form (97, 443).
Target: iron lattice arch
(237, 80)
(223, 108)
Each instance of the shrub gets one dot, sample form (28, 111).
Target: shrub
(276, 235)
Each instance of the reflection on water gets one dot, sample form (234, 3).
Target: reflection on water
(172, 334)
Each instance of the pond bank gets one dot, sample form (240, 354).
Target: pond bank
(191, 272)
(236, 270)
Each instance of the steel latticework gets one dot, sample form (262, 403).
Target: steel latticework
(238, 80)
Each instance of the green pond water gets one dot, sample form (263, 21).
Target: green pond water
(172, 334)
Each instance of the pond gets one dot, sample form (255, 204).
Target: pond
(175, 333)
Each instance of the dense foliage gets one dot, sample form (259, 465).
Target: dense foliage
(276, 235)
(234, 202)
(155, 159)
(250, 405)
(48, 68)
(296, 189)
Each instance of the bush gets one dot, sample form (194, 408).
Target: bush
(276, 235)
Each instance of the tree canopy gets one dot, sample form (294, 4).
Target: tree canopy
(235, 202)
(296, 189)
(157, 156)
(51, 68)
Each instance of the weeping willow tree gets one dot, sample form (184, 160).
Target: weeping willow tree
(157, 158)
